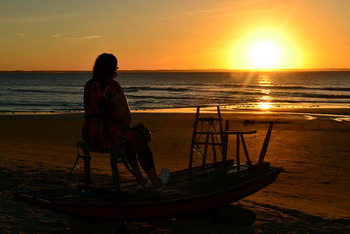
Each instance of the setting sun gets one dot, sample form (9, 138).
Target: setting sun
(265, 55)
(265, 48)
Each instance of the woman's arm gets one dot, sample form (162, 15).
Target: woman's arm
(121, 105)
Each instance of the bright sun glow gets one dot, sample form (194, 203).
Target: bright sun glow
(265, 55)
(264, 49)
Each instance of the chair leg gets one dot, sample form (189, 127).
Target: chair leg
(115, 172)
(87, 168)
(71, 171)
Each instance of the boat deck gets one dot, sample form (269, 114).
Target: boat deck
(187, 191)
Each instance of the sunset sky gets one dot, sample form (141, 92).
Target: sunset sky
(181, 34)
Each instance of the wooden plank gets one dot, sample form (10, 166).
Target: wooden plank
(205, 150)
(237, 154)
(245, 150)
(212, 183)
(200, 186)
(208, 167)
(224, 146)
(195, 125)
(241, 132)
(50, 192)
(228, 132)
(197, 172)
(176, 178)
(182, 187)
(203, 143)
(266, 144)
(208, 119)
(213, 146)
(220, 124)
(186, 174)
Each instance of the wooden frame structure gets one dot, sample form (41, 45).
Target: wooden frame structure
(212, 140)
(210, 137)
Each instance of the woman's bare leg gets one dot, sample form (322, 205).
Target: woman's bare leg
(144, 157)
(138, 174)
(153, 177)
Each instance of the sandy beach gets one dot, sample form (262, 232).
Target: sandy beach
(312, 195)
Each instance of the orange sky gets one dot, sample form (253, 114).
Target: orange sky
(182, 34)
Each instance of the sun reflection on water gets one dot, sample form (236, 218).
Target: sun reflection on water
(265, 105)
(264, 80)
(265, 98)
(265, 91)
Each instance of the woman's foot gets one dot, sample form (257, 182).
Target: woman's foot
(146, 184)
(162, 179)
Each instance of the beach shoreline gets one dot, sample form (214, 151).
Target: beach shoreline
(209, 109)
(313, 152)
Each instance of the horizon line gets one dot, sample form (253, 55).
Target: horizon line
(191, 70)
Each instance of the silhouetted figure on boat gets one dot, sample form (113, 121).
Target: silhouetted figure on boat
(108, 122)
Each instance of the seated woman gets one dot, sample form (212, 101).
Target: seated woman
(108, 119)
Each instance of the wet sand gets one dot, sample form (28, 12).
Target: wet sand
(312, 194)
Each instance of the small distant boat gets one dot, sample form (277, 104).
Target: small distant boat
(191, 190)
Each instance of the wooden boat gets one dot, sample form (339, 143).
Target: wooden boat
(188, 191)
(194, 189)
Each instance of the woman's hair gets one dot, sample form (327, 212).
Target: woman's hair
(105, 66)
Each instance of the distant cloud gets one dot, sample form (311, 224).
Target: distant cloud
(222, 9)
(34, 19)
(236, 8)
(21, 34)
(89, 37)
(205, 12)
(56, 35)
(83, 37)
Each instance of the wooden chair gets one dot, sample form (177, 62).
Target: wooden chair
(117, 155)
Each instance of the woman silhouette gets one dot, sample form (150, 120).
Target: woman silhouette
(108, 119)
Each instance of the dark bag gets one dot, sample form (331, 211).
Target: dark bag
(143, 131)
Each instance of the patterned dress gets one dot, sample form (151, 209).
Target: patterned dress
(102, 128)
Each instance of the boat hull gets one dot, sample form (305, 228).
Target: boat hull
(213, 190)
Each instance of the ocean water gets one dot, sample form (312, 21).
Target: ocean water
(311, 195)
(63, 91)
